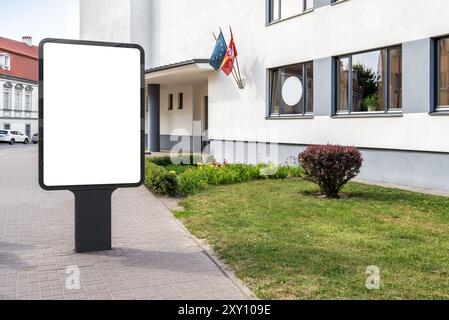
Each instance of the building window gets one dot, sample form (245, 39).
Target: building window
(170, 101)
(28, 101)
(291, 90)
(443, 73)
(282, 9)
(181, 101)
(5, 61)
(7, 126)
(7, 99)
(370, 81)
(18, 100)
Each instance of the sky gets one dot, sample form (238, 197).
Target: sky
(39, 19)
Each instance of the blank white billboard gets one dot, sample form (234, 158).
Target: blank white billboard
(91, 109)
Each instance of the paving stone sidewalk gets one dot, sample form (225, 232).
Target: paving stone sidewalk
(153, 257)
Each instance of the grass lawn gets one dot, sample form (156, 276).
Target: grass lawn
(285, 243)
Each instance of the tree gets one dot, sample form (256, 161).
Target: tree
(367, 79)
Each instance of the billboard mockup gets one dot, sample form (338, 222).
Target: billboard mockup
(91, 115)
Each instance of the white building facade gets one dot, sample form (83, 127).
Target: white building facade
(19, 100)
(367, 73)
(19, 94)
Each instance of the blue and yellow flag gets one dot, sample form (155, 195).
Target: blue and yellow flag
(219, 52)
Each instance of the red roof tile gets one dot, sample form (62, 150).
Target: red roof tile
(18, 47)
(24, 59)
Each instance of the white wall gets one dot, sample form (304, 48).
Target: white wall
(181, 30)
(349, 26)
(127, 21)
(199, 92)
(176, 119)
(105, 20)
(173, 120)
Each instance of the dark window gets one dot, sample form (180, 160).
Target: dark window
(7, 126)
(3, 132)
(443, 73)
(370, 81)
(291, 90)
(181, 101)
(170, 101)
(282, 9)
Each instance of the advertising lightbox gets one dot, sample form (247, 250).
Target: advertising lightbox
(91, 112)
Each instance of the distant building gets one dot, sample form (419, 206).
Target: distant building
(19, 85)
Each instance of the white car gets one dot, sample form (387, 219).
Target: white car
(12, 136)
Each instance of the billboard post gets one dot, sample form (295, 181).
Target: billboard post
(91, 128)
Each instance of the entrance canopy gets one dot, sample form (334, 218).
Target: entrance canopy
(177, 98)
(185, 72)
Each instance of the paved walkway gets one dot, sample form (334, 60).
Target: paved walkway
(153, 258)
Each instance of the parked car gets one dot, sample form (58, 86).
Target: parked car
(35, 138)
(11, 137)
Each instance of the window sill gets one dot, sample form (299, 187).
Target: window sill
(440, 112)
(290, 117)
(338, 2)
(368, 115)
(289, 18)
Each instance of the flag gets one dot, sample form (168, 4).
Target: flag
(219, 52)
(231, 55)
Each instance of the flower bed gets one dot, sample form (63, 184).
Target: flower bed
(164, 177)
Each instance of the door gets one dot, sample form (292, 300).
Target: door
(28, 130)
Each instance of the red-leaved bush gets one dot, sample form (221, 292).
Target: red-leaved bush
(330, 166)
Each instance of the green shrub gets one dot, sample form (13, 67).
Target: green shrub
(246, 172)
(160, 180)
(191, 182)
(160, 161)
(266, 170)
(179, 168)
(229, 175)
(272, 171)
(296, 172)
(281, 173)
(161, 174)
(211, 174)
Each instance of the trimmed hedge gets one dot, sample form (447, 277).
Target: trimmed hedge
(331, 166)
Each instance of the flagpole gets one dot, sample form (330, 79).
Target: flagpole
(237, 60)
(233, 75)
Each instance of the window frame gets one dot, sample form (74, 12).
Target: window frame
(28, 98)
(7, 92)
(6, 61)
(18, 100)
(269, 7)
(336, 86)
(304, 82)
(437, 107)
